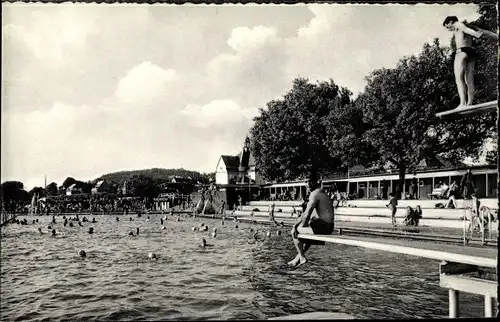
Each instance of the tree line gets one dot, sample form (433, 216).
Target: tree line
(147, 183)
(321, 128)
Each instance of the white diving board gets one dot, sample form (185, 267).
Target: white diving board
(483, 107)
(420, 252)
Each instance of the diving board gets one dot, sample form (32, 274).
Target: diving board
(483, 107)
(452, 269)
(420, 252)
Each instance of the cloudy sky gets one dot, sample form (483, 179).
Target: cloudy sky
(92, 89)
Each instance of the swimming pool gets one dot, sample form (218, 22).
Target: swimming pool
(43, 278)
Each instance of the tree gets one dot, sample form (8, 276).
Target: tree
(86, 186)
(51, 189)
(68, 182)
(288, 139)
(13, 193)
(398, 108)
(492, 155)
(487, 64)
(346, 132)
(39, 191)
(143, 186)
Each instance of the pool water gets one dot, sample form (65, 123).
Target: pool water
(238, 277)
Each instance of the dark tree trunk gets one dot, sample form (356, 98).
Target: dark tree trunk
(402, 173)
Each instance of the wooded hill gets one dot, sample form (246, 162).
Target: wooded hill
(157, 174)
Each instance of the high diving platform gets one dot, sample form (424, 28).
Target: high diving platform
(483, 107)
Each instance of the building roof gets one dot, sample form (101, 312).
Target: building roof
(231, 161)
(99, 183)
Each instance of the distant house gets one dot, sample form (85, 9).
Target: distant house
(102, 186)
(74, 189)
(227, 169)
(177, 179)
(238, 169)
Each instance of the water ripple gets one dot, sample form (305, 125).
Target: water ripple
(43, 278)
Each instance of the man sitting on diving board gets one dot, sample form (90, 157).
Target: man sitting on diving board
(321, 223)
(465, 56)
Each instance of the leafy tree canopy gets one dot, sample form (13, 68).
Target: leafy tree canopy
(52, 189)
(289, 138)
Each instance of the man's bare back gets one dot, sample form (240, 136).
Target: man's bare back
(322, 205)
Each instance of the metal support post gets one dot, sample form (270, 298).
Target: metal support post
(453, 303)
(488, 306)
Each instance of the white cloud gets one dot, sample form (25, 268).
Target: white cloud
(246, 39)
(218, 113)
(144, 82)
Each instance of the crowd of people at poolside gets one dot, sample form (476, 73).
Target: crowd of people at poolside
(103, 204)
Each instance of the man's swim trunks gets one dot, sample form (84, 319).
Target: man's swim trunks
(321, 227)
(469, 51)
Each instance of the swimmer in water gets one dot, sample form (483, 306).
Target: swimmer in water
(93, 220)
(80, 224)
(137, 231)
(91, 230)
(117, 219)
(53, 232)
(204, 243)
(131, 233)
(49, 227)
(82, 254)
(152, 256)
(40, 230)
(131, 219)
(161, 221)
(71, 224)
